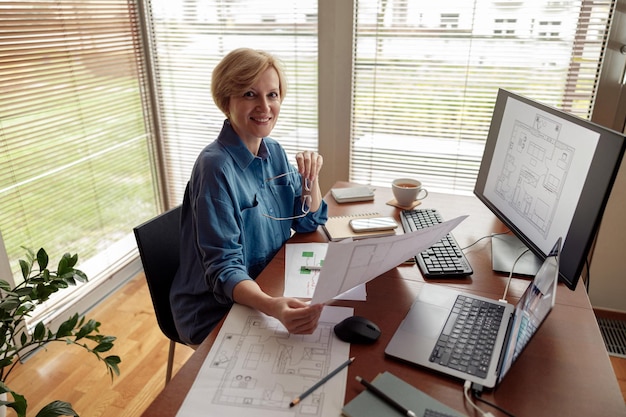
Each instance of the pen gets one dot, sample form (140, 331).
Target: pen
(321, 382)
(312, 267)
(378, 393)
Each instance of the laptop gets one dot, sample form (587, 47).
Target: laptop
(428, 336)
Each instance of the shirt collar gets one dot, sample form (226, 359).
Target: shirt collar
(237, 149)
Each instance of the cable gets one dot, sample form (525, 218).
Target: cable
(484, 237)
(466, 392)
(490, 404)
(506, 289)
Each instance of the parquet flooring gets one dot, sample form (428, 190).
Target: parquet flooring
(72, 375)
(69, 373)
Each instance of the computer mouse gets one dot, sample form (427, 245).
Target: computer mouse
(357, 329)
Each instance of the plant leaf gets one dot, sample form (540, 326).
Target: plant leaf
(6, 362)
(87, 328)
(103, 347)
(40, 331)
(19, 404)
(9, 304)
(73, 260)
(65, 329)
(42, 259)
(112, 363)
(56, 409)
(80, 276)
(3, 388)
(25, 266)
(4, 285)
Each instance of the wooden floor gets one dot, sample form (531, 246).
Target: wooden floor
(70, 374)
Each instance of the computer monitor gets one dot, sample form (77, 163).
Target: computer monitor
(546, 174)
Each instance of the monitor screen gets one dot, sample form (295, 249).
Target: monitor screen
(546, 174)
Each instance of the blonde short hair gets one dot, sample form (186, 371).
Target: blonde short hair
(238, 71)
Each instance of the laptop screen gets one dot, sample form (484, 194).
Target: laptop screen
(532, 309)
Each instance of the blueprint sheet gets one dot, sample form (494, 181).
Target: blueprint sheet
(255, 368)
(350, 263)
(300, 282)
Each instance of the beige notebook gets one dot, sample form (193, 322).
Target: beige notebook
(338, 227)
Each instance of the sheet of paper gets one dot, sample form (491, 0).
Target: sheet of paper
(350, 263)
(255, 368)
(300, 282)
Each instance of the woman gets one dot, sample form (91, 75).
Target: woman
(241, 202)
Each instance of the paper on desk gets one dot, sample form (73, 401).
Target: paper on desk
(300, 282)
(350, 263)
(255, 368)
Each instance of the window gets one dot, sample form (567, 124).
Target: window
(504, 27)
(75, 171)
(449, 20)
(190, 37)
(423, 96)
(549, 30)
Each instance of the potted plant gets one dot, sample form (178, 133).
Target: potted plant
(16, 340)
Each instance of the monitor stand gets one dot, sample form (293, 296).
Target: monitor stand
(504, 251)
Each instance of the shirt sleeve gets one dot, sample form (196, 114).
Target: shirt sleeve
(311, 221)
(217, 234)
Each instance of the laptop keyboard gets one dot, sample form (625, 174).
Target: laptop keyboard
(444, 258)
(467, 340)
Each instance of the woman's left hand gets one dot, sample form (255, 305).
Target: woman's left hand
(309, 164)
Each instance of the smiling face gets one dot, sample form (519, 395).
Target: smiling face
(253, 114)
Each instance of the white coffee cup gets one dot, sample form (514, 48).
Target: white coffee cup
(407, 190)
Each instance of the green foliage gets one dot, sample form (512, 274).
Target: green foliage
(15, 339)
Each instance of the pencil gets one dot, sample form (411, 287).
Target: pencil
(378, 393)
(312, 267)
(320, 382)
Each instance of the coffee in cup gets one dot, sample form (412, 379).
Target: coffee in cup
(407, 190)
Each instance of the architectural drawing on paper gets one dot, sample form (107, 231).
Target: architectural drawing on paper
(307, 277)
(534, 171)
(262, 352)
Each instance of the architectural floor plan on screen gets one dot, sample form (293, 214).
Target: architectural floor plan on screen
(534, 172)
(256, 368)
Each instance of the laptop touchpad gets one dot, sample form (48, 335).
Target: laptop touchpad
(425, 319)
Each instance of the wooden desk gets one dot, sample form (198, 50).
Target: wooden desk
(565, 370)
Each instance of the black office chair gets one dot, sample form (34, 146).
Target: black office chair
(158, 241)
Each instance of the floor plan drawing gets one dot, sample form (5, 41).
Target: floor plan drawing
(534, 172)
(255, 367)
(301, 263)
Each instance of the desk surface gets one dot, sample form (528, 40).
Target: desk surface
(565, 370)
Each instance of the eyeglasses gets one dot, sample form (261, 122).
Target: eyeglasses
(307, 182)
(306, 198)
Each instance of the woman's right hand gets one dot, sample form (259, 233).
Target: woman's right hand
(297, 316)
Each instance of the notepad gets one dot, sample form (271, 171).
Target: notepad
(338, 227)
(367, 404)
(352, 194)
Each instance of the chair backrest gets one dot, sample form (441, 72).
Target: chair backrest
(158, 241)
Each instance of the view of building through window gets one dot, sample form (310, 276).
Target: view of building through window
(426, 77)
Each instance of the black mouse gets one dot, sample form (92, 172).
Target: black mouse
(357, 329)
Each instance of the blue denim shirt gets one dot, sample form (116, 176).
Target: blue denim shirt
(225, 237)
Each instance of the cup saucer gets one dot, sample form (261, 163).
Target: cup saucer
(394, 203)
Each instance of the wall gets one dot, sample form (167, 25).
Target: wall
(607, 284)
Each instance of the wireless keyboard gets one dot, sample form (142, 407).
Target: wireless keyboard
(442, 260)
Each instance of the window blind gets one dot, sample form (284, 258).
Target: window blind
(75, 169)
(190, 37)
(426, 77)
